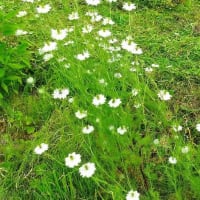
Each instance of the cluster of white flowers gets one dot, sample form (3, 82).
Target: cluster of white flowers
(86, 170)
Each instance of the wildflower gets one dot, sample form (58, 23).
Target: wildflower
(21, 13)
(172, 160)
(81, 114)
(20, 32)
(88, 129)
(131, 46)
(41, 148)
(117, 75)
(114, 103)
(50, 46)
(93, 2)
(87, 170)
(164, 95)
(155, 65)
(107, 20)
(156, 141)
(72, 160)
(135, 92)
(110, 1)
(43, 9)
(121, 130)
(198, 127)
(87, 29)
(73, 16)
(60, 94)
(185, 149)
(30, 80)
(132, 195)
(148, 69)
(100, 99)
(59, 35)
(177, 128)
(68, 43)
(129, 6)
(104, 33)
(30, 1)
(83, 55)
(47, 56)
(71, 100)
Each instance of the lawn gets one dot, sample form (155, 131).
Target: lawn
(99, 99)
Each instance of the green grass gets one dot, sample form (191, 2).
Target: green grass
(168, 36)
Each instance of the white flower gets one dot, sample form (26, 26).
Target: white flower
(88, 129)
(131, 46)
(41, 148)
(110, 1)
(177, 128)
(30, 80)
(81, 114)
(60, 94)
(172, 160)
(129, 6)
(114, 103)
(71, 100)
(93, 2)
(83, 55)
(21, 13)
(73, 16)
(68, 43)
(118, 75)
(121, 130)
(185, 149)
(95, 17)
(164, 95)
(156, 141)
(43, 9)
(155, 65)
(133, 195)
(87, 29)
(47, 56)
(148, 69)
(104, 33)
(59, 35)
(30, 1)
(87, 170)
(72, 160)
(103, 82)
(20, 32)
(107, 20)
(135, 92)
(50, 46)
(100, 99)
(198, 127)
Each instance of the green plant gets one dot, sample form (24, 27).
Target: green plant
(14, 58)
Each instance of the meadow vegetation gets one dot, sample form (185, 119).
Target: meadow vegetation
(100, 99)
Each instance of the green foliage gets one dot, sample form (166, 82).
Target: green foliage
(14, 58)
